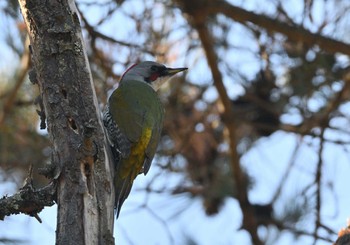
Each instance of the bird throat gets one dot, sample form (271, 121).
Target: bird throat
(156, 84)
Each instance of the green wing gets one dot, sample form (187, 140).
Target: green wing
(136, 106)
(153, 144)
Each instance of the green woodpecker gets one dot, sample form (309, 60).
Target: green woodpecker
(133, 119)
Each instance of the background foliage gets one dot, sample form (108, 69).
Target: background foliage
(261, 117)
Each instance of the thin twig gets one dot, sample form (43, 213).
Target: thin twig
(287, 172)
(318, 182)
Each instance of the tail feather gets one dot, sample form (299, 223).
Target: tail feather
(122, 190)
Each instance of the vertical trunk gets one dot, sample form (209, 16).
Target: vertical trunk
(80, 164)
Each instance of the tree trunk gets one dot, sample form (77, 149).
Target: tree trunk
(85, 193)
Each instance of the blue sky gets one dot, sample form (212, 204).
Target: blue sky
(185, 216)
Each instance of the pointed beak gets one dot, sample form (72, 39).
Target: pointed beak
(172, 71)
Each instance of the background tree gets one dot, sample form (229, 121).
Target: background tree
(261, 117)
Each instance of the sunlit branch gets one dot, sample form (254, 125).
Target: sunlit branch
(24, 67)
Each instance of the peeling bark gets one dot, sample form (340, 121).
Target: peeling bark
(80, 164)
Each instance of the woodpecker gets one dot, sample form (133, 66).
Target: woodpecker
(133, 119)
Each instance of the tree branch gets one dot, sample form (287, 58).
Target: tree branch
(92, 30)
(28, 201)
(197, 19)
(293, 32)
(203, 9)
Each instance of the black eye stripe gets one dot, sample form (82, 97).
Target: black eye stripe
(157, 68)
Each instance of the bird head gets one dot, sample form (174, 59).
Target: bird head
(153, 73)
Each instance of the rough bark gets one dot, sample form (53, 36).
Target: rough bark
(80, 164)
